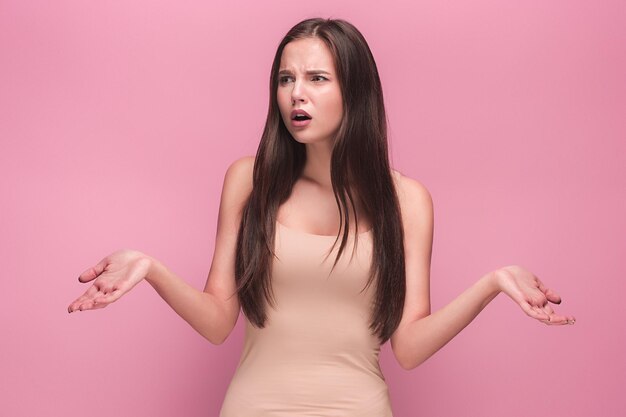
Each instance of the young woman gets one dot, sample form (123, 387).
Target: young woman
(325, 248)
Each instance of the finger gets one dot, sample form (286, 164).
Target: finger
(79, 305)
(85, 306)
(89, 303)
(101, 286)
(541, 313)
(552, 318)
(91, 273)
(548, 309)
(109, 298)
(552, 296)
(87, 296)
(92, 305)
(557, 318)
(530, 310)
(96, 301)
(76, 304)
(538, 311)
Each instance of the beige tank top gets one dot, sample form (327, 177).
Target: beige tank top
(316, 355)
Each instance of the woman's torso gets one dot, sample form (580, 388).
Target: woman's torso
(316, 355)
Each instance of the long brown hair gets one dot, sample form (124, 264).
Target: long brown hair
(359, 163)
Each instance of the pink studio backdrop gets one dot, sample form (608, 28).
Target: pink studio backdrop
(118, 121)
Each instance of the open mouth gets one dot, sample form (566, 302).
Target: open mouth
(300, 117)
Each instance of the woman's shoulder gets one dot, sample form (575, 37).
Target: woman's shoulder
(244, 162)
(238, 177)
(409, 187)
(242, 168)
(415, 200)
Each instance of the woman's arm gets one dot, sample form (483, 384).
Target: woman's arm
(420, 334)
(423, 337)
(212, 312)
(119, 272)
(202, 310)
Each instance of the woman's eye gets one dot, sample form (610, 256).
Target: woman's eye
(286, 78)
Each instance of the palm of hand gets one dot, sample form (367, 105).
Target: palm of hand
(531, 294)
(114, 276)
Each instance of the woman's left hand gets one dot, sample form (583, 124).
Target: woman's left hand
(530, 293)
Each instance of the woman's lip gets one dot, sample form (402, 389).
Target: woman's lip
(300, 123)
(299, 111)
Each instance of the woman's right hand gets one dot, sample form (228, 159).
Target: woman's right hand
(114, 275)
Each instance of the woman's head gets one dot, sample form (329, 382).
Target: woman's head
(307, 81)
(350, 93)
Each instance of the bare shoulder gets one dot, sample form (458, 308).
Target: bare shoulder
(242, 168)
(411, 191)
(238, 177)
(415, 201)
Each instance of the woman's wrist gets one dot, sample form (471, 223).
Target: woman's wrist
(493, 281)
(155, 269)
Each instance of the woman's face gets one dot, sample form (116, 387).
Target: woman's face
(307, 80)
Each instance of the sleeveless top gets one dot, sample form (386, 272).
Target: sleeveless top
(316, 355)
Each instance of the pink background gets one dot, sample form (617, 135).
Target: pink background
(118, 120)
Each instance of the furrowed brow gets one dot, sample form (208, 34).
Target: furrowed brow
(309, 72)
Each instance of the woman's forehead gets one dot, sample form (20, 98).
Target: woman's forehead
(307, 54)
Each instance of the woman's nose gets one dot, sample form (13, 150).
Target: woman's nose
(297, 93)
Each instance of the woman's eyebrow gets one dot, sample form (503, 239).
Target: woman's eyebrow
(309, 72)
